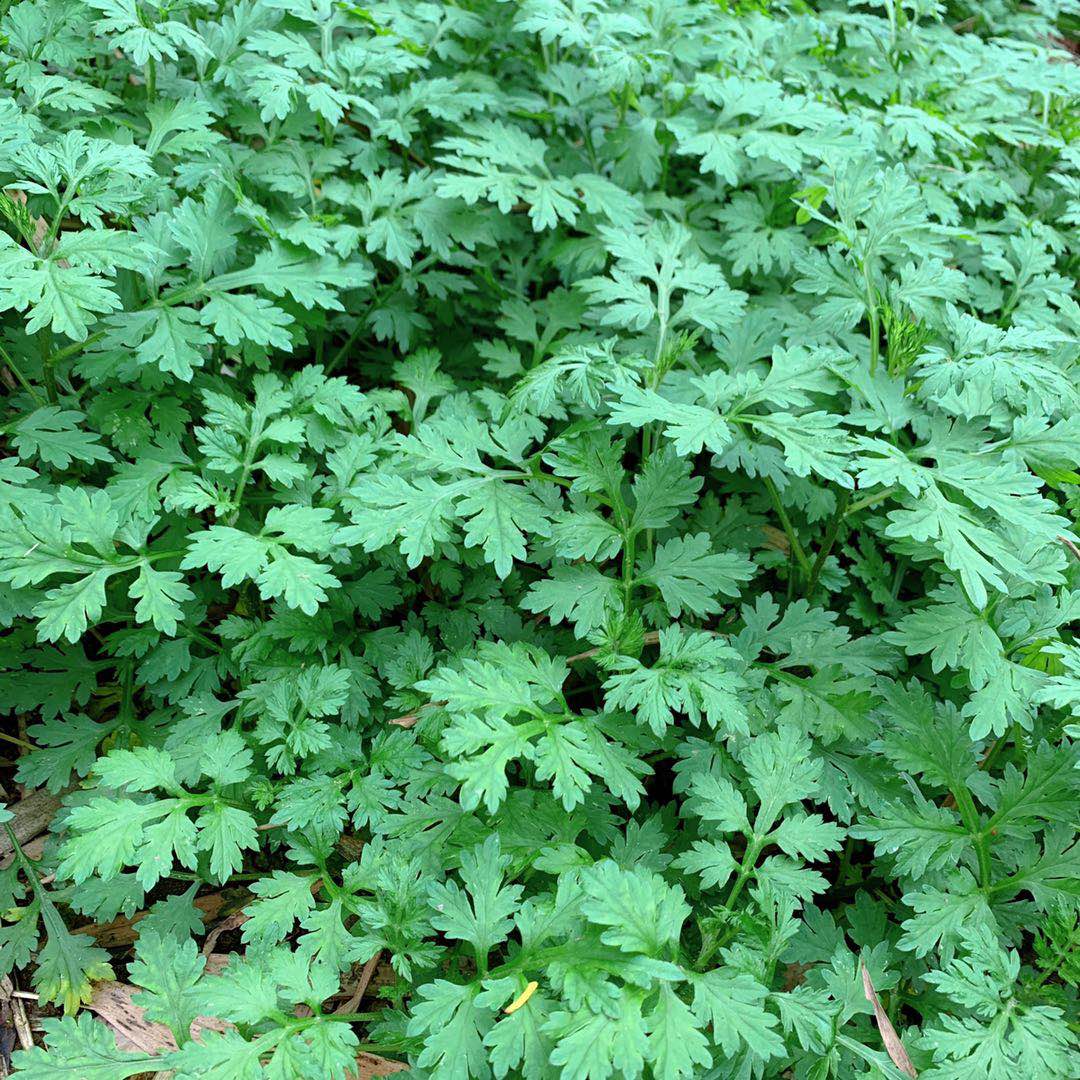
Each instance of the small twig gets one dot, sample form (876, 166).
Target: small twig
(17, 741)
(869, 500)
(1071, 546)
(362, 983)
(13, 1011)
(230, 922)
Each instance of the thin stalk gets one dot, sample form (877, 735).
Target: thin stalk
(343, 351)
(970, 817)
(185, 875)
(48, 373)
(711, 944)
(629, 539)
(785, 521)
(875, 325)
(76, 347)
(869, 500)
(827, 544)
(254, 442)
(746, 869)
(845, 861)
(17, 372)
(1074, 940)
(875, 344)
(658, 372)
(17, 741)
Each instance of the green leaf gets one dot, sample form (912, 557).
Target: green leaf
(67, 964)
(689, 574)
(479, 914)
(733, 1003)
(80, 1049)
(283, 898)
(53, 435)
(454, 1029)
(696, 674)
(160, 594)
(642, 913)
(581, 595)
(676, 1047)
(692, 428)
(225, 832)
(168, 972)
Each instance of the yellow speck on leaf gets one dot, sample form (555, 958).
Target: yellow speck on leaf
(521, 998)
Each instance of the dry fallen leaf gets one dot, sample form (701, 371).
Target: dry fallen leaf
(230, 922)
(893, 1046)
(123, 931)
(368, 1065)
(776, 539)
(112, 1002)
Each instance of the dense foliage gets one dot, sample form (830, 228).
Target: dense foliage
(562, 492)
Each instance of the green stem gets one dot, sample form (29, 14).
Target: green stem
(538, 473)
(970, 817)
(76, 347)
(793, 540)
(26, 864)
(17, 741)
(185, 875)
(1074, 940)
(17, 372)
(340, 355)
(845, 861)
(711, 944)
(875, 326)
(746, 869)
(869, 500)
(827, 544)
(629, 539)
(48, 373)
(252, 449)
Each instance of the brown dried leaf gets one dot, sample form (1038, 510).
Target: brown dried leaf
(369, 1065)
(216, 963)
(231, 922)
(893, 1046)
(124, 931)
(112, 1002)
(776, 539)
